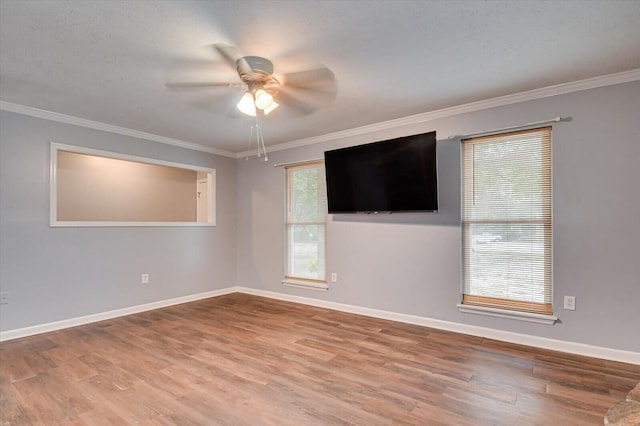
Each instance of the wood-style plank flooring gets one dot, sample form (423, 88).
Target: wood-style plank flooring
(246, 360)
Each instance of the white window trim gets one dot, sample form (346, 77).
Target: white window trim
(297, 282)
(503, 313)
(300, 283)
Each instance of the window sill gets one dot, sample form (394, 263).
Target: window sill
(311, 285)
(503, 313)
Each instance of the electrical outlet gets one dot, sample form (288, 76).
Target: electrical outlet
(334, 277)
(4, 297)
(144, 279)
(570, 303)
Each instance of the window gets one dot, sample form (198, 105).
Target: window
(306, 223)
(506, 222)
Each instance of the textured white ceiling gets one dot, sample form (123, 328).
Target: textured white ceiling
(108, 61)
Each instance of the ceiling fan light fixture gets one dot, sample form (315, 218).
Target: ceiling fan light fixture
(263, 99)
(246, 105)
(271, 107)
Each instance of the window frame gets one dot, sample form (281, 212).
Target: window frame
(504, 307)
(289, 279)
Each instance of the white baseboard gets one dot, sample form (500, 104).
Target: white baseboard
(87, 319)
(505, 336)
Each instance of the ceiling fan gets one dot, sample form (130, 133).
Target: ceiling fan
(302, 92)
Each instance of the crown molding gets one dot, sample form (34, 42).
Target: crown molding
(96, 125)
(558, 89)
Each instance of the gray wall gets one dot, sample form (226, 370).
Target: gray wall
(54, 274)
(410, 263)
(404, 263)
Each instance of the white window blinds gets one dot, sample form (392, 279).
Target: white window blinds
(306, 221)
(507, 221)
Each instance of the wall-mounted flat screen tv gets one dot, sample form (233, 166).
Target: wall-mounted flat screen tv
(396, 175)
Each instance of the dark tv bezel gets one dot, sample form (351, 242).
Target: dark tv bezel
(391, 141)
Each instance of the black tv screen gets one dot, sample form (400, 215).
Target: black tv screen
(397, 175)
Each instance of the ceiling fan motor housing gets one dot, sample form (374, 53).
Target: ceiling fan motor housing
(259, 64)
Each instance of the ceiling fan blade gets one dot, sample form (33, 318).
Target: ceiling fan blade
(305, 100)
(295, 103)
(313, 78)
(308, 90)
(234, 58)
(198, 84)
(313, 95)
(218, 103)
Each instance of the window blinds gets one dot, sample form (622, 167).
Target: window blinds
(306, 221)
(507, 221)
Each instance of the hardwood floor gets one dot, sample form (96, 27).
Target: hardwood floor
(246, 360)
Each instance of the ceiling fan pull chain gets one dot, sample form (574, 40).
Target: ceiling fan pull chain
(257, 126)
(264, 148)
(249, 144)
(260, 139)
